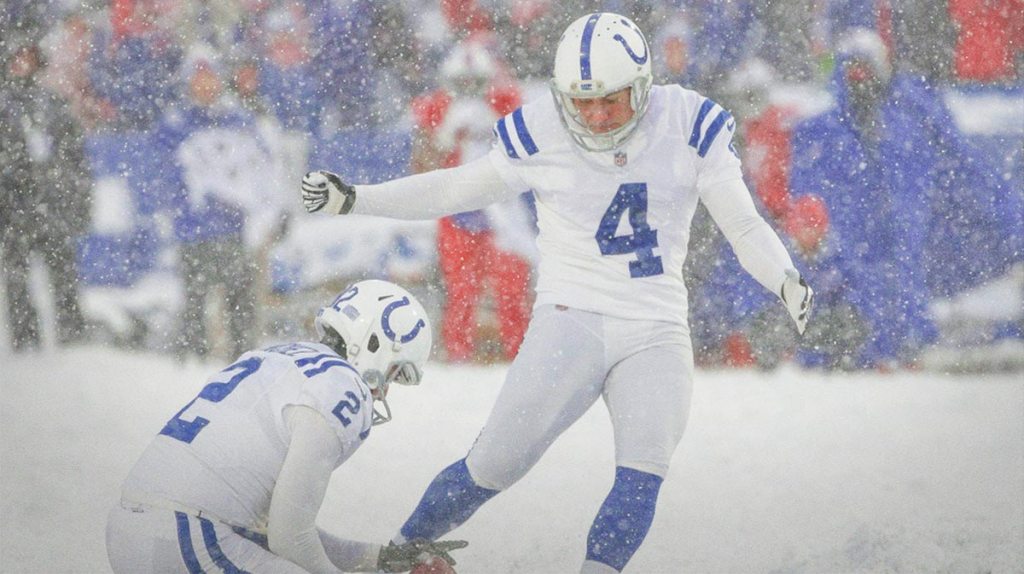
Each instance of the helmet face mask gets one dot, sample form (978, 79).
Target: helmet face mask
(386, 334)
(599, 55)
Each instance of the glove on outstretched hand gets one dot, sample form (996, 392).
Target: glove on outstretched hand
(323, 190)
(798, 297)
(404, 557)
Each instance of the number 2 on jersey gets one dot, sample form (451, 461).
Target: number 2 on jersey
(186, 431)
(632, 198)
(351, 404)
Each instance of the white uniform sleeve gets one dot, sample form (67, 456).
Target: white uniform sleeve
(313, 453)
(755, 243)
(434, 194)
(350, 555)
(711, 139)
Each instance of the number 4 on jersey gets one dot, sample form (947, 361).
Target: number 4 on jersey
(631, 197)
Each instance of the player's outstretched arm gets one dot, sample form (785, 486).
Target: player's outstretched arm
(406, 556)
(429, 195)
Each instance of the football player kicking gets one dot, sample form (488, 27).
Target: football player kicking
(617, 167)
(235, 479)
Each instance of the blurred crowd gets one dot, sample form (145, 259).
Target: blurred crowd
(843, 124)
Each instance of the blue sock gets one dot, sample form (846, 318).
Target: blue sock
(448, 502)
(624, 518)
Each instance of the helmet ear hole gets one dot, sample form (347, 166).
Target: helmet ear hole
(373, 343)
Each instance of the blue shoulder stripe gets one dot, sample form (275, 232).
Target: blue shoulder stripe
(523, 133)
(712, 133)
(701, 114)
(505, 139)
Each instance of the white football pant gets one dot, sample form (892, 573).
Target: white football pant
(144, 539)
(569, 358)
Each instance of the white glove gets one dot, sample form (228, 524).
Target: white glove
(323, 190)
(797, 296)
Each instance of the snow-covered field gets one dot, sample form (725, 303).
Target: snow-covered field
(785, 472)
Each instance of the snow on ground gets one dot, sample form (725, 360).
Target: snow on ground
(793, 471)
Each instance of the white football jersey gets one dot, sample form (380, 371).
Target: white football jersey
(614, 226)
(222, 453)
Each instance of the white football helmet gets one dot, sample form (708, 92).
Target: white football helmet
(384, 333)
(598, 55)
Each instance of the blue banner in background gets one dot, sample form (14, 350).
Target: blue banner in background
(979, 219)
(133, 156)
(119, 252)
(364, 156)
(118, 260)
(124, 244)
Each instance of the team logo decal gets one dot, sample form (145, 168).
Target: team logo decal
(385, 322)
(640, 60)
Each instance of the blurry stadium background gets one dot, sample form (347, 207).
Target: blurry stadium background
(328, 84)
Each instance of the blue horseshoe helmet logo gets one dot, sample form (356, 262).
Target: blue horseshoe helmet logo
(640, 60)
(385, 322)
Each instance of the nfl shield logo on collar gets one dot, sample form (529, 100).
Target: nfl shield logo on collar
(620, 158)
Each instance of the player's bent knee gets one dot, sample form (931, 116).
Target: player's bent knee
(492, 473)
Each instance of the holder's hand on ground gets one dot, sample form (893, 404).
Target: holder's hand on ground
(798, 297)
(404, 557)
(325, 191)
(433, 565)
